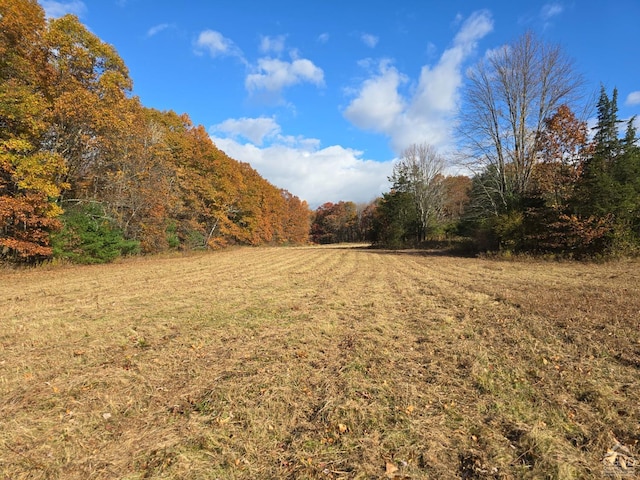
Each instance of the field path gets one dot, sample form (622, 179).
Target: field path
(320, 362)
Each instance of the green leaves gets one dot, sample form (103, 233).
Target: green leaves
(89, 236)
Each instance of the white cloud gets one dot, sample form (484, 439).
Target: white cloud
(633, 98)
(157, 29)
(272, 44)
(55, 9)
(378, 105)
(369, 40)
(299, 165)
(253, 129)
(217, 45)
(269, 75)
(550, 10)
(273, 74)
(473, 29)
(323, 37)
(427, 115)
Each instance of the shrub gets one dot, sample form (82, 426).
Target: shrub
(89, 236)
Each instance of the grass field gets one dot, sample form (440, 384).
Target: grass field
(320, 363)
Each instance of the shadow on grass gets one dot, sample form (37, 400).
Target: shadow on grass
(454, 249)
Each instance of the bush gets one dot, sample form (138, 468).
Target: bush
(89, 236)
(173, 240)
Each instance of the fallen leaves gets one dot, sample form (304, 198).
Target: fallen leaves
(390, 470)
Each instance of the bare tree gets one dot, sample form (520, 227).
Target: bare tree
(419, 172)
(510, 94)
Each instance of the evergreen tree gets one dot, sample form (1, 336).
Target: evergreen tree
(609, 189)
(396, 220)
(626, 176)
(606, 136)
(596, 192)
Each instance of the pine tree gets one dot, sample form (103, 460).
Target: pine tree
(626, 175)
(596, 190)
(606, 139)
(609, 189)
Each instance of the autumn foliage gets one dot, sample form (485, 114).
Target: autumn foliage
(73, 136)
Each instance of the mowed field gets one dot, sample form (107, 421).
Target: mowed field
(320, 363)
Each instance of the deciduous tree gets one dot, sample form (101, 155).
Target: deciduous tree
(30, 176)
(419, 174)
(509, 95)
(563, 147)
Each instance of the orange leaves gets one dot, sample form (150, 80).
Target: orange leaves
(562, 145)
(334, 223)
(230, 201)
(80, 56)
(29, 185)
(563, 137)
(69, 123)
(24, 225)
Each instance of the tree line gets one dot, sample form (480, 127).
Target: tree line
(540, 182)
(88, 173)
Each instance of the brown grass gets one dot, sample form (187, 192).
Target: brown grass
(320, 363)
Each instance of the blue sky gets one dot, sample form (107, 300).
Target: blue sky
(321, 96)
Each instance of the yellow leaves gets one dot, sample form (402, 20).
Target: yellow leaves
(33, 171)
(81, 56)
(16, 146)
(53, 210)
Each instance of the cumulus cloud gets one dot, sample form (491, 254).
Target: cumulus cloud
(323, 37)
(378, 105)
(273, 74)
(217, 45)
(253, 129)
(301, 166)
(272, 44)
(633, 98)
(369, 40)
(427, 114)
(269, 75)
(56, 9)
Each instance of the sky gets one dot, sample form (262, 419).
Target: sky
(322, 96)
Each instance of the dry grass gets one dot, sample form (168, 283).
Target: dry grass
(319, 363)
